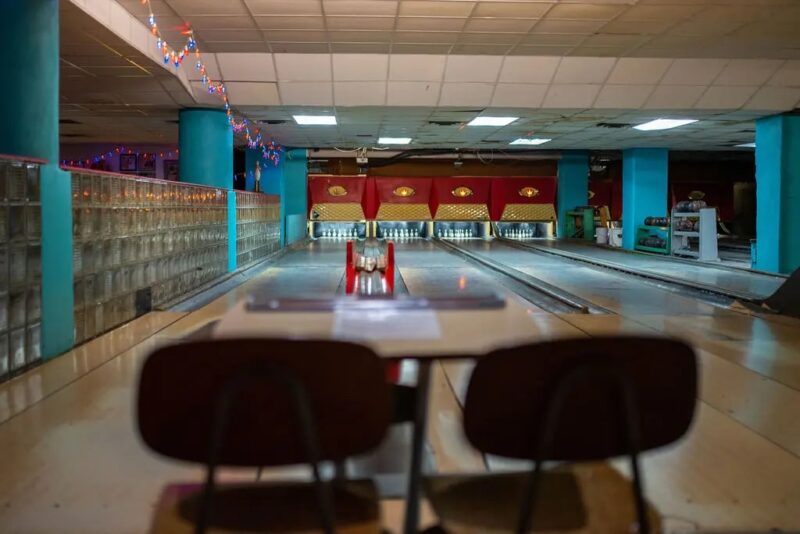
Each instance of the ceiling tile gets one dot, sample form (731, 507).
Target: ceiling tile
(361, 48)
(623, 96)
(748, 71)
(360, 36)
(359, 93)
(518, 95)
(252, 93)
(519, 69)
(299, 48)
(583, 27)
(190, 9)
(282, 7)
(639, 70)
(360, 67)
(466, 94)
(775, 99)
(247, 67)
(499, 25)
(360, 7)
(693, 71)
(511, 9)
(296, 36)
(720, 97)
(431, 23)
(585, 11)
(306, 93)
(472, 69)
(788, 75)
(360, 23)
(412, 93)
(416, 37)
(303, 67)
(481, 49)
(571, 96)
(435, 9)
(675, 96)
(409, 48)
(583, 70)
(660, 12)
(290, 23)
(416, 67)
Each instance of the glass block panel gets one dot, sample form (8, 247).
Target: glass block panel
(17, 348)
(16, 177)
(32, 183)
(33, 343)
(16, 268)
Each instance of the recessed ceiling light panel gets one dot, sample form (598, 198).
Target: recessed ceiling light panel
(315, 120)
(491, 121)
(529, 142)
(394, 140)
(746, 145)
(663, 124)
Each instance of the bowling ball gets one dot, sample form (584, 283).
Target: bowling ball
(697, 205)
(683, 206)
(696, 226)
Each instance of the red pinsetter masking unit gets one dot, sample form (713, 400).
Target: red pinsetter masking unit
(460, 206)
(337, 206)
(523, 206)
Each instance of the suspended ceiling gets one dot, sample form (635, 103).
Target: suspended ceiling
(392, 68)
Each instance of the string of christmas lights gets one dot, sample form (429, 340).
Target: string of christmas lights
(106, 156)
(270, 150)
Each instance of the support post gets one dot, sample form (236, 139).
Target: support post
(573, 186)
(645, 180)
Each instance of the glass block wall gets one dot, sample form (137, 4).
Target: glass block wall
(258, 230)
(140, 242)
(20, 266)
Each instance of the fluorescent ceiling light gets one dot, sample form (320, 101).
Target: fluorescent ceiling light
(522, 141)
(394, 140)
(491, 121)
(746, 145)
(315, 120)
(663, 124)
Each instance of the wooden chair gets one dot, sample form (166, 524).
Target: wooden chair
(573, 401)
(267, 402)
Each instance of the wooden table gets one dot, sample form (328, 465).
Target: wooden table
(463, 333)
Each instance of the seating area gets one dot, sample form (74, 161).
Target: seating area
(566, 406)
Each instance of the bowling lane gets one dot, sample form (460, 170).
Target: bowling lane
(621, 293)
(314, 268)
(759, 285)
(428, 269)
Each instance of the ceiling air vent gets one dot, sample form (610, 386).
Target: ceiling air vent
(74, 135)
(613, 125)
(68, 121)
(444, 123)
(273, 121)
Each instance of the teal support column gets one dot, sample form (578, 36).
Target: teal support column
(29, 52)
(206, 148)
(232, 232)
(294, 196)
(573, 185)
(645, 180)
(778, 193)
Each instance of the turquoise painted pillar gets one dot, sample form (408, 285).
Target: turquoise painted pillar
(645, 179)
(232, 232)
(573, 185)
(778, 193)
(206, 148)
(294, 196)
(29, 51)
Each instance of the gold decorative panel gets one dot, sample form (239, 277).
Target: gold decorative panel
(404, 191)
(345, 211)
(404, 212)
(528, 192)
(529, 212)
(697, 195)
(337, 191)
(461, 192)
(462, 212)
(591, 195)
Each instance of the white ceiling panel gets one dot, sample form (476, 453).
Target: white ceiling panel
(693, 71)
(582, 70)
(306, 93)
(748, 71)
(466, 94)
(788, 75)
(413, 93)
(726, 97)
(416, 67)
(355, 67)
(518, 95)
(675, 97)
(775, 98)
(303, 67)
(639, 70)
(578, 96)
(472, 68)
(247, 67)
(359, 93)
(623, 96)
(253, 94)
(523, 69)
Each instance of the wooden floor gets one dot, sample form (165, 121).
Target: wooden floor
(71, 460)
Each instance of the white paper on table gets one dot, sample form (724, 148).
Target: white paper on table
(386, 324)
